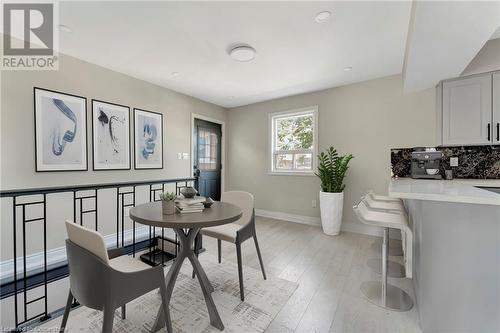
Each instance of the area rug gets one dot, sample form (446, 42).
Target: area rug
(263, 300)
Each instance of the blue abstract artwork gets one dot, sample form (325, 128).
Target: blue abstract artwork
(148, 139)
(61, 132)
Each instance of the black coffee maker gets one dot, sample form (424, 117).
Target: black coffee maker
(425, 163)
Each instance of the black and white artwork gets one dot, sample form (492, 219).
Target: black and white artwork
(60, 131)
(110, 136)
(148, 139)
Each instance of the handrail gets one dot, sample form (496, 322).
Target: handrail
(85, 187)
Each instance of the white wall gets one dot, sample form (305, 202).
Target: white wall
(366, 119)
(487, 60)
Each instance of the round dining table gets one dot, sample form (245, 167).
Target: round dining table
(186, 226)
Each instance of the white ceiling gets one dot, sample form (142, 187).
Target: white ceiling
(444, 37)
(150, 40)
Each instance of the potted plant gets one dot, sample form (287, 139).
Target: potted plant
(168, 203)
(331, 171)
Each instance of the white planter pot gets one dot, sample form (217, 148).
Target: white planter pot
(331, 205)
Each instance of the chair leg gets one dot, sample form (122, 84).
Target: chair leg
(219, 250)
(260, 256)
(66, 312)
(124, 311)
(164, 305)
(192, 275)
(240, 271)
(107, 318)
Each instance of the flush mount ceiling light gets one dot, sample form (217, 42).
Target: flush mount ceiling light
(242, 53)
(323, 16)
(347, 69)
(65, 28)
(174, 74)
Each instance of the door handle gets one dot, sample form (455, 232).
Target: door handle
(489, 127)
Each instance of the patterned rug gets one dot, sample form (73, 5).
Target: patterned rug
(263, 300)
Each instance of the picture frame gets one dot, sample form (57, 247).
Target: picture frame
(110, 136)
(60, 131)
(148, 139)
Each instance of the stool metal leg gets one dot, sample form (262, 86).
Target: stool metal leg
(394, 269)
(383, 294)
(395, 249)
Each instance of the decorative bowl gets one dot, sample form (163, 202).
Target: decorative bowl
(189, 192)
(432, 171)
(209, 202)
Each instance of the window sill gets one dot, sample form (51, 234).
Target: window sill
(288, 173)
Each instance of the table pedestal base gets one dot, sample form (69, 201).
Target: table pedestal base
(186, 240)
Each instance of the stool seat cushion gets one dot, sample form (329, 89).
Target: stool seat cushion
(226, 232)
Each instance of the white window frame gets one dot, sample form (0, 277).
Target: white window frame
(271, 142)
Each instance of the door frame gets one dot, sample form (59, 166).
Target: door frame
(223, 146)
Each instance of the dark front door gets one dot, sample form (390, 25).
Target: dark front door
(207, 158)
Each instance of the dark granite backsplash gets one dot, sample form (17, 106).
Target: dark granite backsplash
(480, 162)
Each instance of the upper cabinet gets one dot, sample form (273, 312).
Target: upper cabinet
(496, 108)
(467, 111)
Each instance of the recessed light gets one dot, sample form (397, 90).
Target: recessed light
(173, 74)
(322, 16)
(242, 53)
(348, 68)
(65, 28)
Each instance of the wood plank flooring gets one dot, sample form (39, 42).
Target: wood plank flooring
(328, 270)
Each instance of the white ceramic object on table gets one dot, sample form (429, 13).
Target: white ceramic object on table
(431, 171)
(331, 205)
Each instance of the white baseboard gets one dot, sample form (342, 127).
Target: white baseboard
(347, 226)
(56, 256)
(309, 220)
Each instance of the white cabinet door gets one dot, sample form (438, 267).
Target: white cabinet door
(467, 117)
(496, 108)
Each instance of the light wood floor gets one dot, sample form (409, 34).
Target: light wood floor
(328, 270)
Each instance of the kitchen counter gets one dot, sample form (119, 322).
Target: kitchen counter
(456, 251)
(458, 190)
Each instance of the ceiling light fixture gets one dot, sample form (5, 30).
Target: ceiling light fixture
(173, 74)
(348, 68)
(65, 28)
(242, 53)
(322, 16)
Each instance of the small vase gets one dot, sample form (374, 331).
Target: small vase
(168, 207)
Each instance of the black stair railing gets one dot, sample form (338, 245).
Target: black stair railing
(21, 280)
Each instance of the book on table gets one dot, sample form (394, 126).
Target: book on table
(191, 205)
(189, 210)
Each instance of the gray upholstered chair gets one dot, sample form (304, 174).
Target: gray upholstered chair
(239, 231)
(106, 280)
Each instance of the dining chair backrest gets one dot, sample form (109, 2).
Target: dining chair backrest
(88, 239)
(242, 199)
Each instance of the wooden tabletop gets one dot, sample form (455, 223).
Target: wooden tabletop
(151, 214)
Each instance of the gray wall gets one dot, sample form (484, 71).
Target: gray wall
(17, 166)
(365, 119)
(81, 78)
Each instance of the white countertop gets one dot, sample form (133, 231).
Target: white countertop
(458, 190)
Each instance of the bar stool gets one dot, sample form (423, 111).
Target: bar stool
(384, 203)
(380, 292)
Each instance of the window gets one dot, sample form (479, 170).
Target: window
(207, 149)
(293, 141)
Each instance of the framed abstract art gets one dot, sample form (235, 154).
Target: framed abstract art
(60, 131)
(148, 139)
(110, 136)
